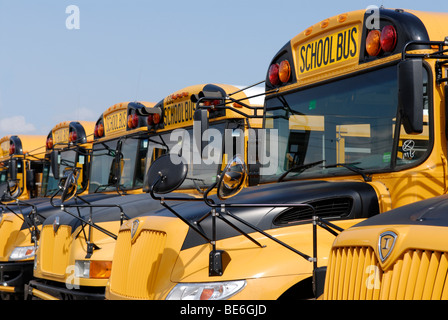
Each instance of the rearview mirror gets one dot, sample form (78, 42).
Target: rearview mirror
(410, 94)
(12, 168)
(54, 162)
(232, 178)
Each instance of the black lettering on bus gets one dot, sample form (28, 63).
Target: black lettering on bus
(352, 37)
(339, 48)
(308, 65)
(326, 50)
(320, 52)
(302, 50)
(346, 45)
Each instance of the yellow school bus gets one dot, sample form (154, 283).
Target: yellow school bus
(401, 254)
(70, 143)
(74, 262)
(21, 221)
(22, 157)
(352, 130)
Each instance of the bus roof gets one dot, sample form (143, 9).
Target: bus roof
(177, 109)
(64, 132)
(22, 145)
(341, 45)
(115, 122)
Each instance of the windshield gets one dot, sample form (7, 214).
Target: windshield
(118, 163)
(200, 174)
(67, 158)
(349, 121)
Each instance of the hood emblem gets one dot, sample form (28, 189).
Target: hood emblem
(56, 224)
(134, 228)
(386, 244)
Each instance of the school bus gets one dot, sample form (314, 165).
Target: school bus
(21, 220)
(350, 135)
(21, 164)
(401, 255)
(69, 143)
(74, 262)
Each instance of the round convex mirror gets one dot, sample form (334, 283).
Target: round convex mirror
(232, 178)
(169, 170)
(68, 184)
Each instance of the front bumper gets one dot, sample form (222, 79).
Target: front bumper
(48, 290)
(14, 276)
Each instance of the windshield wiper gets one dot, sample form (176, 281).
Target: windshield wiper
(352, 167)
(300, 168)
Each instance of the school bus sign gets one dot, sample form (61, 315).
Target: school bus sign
(329, 50)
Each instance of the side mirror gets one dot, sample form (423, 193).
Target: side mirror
(12, 169)
(68, 184)
(54, 162)
(166, 174)
(410, 94)
(200, 125)
(232, 179)
(115, 171)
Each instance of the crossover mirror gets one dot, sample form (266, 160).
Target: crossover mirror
(232, 178)
(166, 174)
(68, 184)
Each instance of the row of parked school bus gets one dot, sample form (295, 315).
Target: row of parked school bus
(327, 183)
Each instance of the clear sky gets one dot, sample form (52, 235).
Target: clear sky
(141, 50)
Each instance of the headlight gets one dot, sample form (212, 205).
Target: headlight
(93, 269)
(206, 290)
(21, 253)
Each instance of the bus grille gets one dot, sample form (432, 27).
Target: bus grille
(136, 264)
(355, 274)
(55, 249)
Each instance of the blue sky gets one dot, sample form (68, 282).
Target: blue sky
(140, 50)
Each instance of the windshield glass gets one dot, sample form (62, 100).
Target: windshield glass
(67, 158)
(118, 163)
(200, 174)
(349, 121)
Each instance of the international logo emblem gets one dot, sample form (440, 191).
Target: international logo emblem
(56, 224)
(134, 228)
(386, 244)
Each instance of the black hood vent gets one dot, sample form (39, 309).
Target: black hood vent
(326, 208)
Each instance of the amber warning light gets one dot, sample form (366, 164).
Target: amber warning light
(279, 73)
(378, 41)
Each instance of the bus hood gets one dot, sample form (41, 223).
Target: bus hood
(430, 212)
(332, 200)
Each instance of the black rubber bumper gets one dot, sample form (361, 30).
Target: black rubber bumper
(16, 274)
(59, 291)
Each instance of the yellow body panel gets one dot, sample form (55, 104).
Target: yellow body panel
(415, 269)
